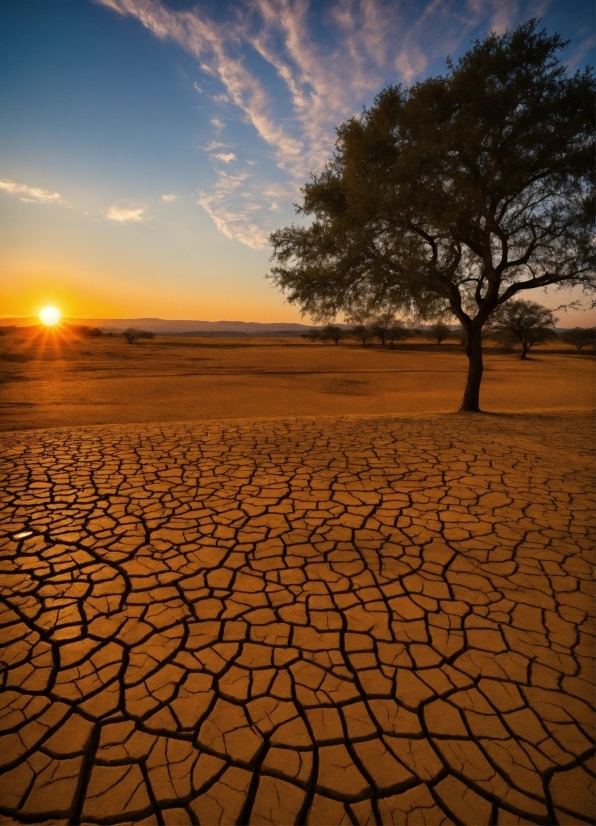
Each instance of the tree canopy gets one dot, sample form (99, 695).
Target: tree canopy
(453, 195)
(580, 337)
(525, 322)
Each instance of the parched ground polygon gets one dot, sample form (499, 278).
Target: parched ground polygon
(319, 621)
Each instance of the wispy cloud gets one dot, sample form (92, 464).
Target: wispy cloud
(123, 214)
(579, 54)
(330, 58)
(30, 194)
(230, 213)
(226, 157)
(168, 198)
(243, 207)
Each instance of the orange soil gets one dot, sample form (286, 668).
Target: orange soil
(53, 379)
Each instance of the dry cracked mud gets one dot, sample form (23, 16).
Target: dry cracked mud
(311, 621)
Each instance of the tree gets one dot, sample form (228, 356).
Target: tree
(360, 316)
(362, 332)
(131, 334)
(314, 334)
(381, 322)
(454, 195)
(333, 332)
(439, 332)
(84, 330)
(523, 321)
(580, 337)
(397, 332)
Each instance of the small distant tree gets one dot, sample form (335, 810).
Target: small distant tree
(132, 334)
(381, 322)
(439, 332)
(525, 322)
(361, 331)
(361, 318)
(580, 337)
(397, 332)
(91, 332)
(333, 332)
(314, 334)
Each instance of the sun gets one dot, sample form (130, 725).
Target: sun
(50, 315)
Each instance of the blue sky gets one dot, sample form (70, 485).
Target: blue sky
(149, 147)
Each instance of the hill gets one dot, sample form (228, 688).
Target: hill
(166, 326)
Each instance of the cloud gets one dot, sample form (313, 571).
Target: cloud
(410, 63)
(226, 157)
(245, 208)
(30, 194)
(328, 78)
(578, 54)
(329, 60)
(168, 198)
(123, 214)
(505, 13)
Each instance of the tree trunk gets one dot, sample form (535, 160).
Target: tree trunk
(471, 400)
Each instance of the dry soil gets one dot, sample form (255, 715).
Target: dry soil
(321, 620)
(52, 380)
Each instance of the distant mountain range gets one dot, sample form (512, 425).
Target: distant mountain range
(166, 326)
(173, 327)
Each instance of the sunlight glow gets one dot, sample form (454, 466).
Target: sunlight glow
(50, 315)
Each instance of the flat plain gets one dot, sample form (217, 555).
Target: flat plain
(52, 380)
(323, 599)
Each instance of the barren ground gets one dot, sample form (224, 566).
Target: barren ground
(328, 619)
(53, 381)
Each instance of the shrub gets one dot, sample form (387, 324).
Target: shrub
(132, 335)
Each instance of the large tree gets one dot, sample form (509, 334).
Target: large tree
(454, 195)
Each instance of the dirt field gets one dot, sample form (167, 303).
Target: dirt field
(311, 621)
(53, 380)
(364, 611)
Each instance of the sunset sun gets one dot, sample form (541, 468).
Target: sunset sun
(50, 315)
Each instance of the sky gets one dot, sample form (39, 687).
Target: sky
(149, 147)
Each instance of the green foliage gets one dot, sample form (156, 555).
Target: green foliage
(452, 196)
(580, 337)
(525, 322)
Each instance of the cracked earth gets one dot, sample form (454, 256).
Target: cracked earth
(311, 621)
